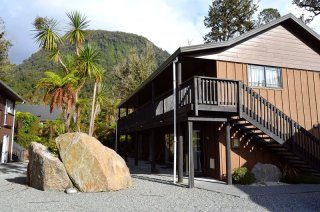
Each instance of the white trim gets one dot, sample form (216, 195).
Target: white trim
(174, 122)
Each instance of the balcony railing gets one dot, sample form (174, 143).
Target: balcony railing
(197, 93)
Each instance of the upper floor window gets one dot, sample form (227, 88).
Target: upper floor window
(265, 76)
(9, 106)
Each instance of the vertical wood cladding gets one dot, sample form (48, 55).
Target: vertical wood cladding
(247, 155)
(299, 98)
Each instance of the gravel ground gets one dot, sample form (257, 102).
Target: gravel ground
(156, 193)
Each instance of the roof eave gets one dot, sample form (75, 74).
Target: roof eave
(12, 93)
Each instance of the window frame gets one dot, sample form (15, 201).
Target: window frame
(265, 69)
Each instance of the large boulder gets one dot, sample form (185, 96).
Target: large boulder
(45, 171)
(91, 166)
(266, 173)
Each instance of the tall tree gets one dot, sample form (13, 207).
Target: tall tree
(229, 18)
(89, 67)
(129, 74)
(312, 6)
(267, 15)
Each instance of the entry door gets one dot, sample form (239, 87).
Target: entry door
(197, 151)
(5, 149)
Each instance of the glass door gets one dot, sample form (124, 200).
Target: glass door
(197, 152)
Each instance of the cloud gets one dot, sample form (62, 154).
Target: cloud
(167, 23)
(164, 23)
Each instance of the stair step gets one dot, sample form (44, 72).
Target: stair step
(286, 153)
(246, 124)
(232, 120)
(303, 166)
(309, 170)
(297, 162)
(278, 149)
(291, 157)
(272, 144)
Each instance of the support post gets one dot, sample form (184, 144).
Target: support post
(125, 149)
(228, 154)
(191, 161)
(136, 140)
(117, 134)
(153, 152)
(180, 154)
(179, 129)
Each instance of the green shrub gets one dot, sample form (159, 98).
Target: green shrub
(242, 176)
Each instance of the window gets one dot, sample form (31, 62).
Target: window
(9, 106)
(265, 76)
(8, 110)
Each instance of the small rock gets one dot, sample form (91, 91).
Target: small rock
(71, 191)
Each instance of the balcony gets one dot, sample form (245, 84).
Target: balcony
(198, 94)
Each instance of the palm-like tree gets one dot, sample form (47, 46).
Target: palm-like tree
(48, 37)
(88, 63)
(60, 92)
(83, 65)
(76, 33)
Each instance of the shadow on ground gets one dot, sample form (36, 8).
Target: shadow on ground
(18, 180)
(13, 168)
(273, 197)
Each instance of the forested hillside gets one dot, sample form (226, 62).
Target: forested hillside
(114, 47)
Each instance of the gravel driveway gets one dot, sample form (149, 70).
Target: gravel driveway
(156, 193)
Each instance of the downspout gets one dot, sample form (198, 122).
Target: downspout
(174, 121)
(12, 136)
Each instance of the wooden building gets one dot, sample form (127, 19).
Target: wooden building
(254, 98)
(8, 99)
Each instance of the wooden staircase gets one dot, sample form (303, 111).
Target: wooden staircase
(282, 150)
(263, 122)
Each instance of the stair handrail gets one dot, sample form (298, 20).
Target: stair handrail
(288, 119)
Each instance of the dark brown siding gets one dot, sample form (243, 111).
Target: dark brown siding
(299, 98)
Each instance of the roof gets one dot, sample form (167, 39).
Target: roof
(292, 22)
(10, 93)
(41, 111)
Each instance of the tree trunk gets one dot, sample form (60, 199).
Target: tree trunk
(92, 109)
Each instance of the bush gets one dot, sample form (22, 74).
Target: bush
(242, 176)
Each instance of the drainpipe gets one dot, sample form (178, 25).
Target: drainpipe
(12, 136)
(174, 122)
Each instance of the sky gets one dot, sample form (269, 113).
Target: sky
(169, 24)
